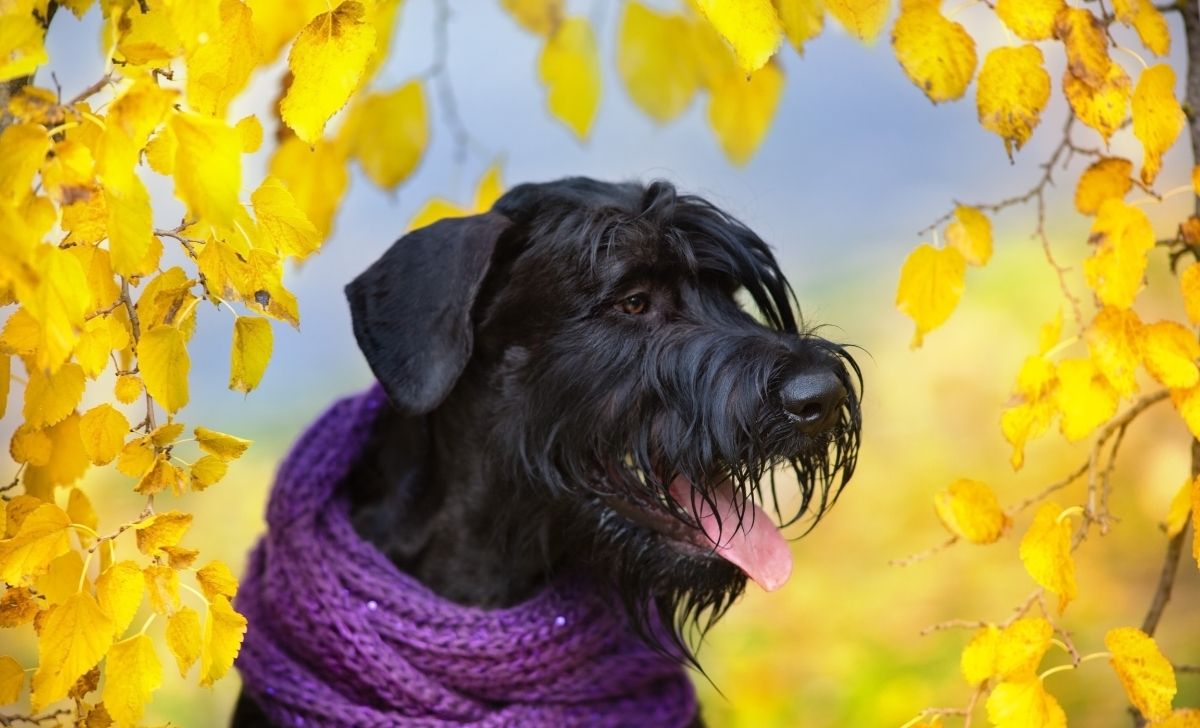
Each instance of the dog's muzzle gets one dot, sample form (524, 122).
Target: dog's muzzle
(813, 400)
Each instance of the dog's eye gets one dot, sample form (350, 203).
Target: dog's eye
(635, 305)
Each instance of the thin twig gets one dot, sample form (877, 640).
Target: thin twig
(92, 90)
(1166, 580)
(922, 555)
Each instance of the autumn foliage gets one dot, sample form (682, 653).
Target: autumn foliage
(88, 273)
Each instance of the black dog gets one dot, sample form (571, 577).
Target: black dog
(575, 374)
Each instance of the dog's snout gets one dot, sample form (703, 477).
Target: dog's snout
(813, 399)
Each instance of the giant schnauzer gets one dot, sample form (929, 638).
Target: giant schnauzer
(575, 371)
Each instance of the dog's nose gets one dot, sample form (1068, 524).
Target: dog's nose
(813, 399)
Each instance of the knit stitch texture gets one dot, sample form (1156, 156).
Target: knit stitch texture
(339, 636)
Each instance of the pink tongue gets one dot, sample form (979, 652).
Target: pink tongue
(756, 547)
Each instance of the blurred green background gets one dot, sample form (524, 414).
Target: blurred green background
(856, 162)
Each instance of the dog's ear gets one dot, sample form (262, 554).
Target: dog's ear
(412, 308)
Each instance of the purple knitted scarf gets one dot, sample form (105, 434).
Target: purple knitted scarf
(339, 636)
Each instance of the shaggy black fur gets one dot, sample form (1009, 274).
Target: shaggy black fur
(555, 363)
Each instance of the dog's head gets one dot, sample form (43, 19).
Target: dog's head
(639, 417)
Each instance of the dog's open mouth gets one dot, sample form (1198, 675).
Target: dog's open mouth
(735, 529)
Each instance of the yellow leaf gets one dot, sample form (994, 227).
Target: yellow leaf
(1195, 514)
(1029, 19)
(103, 430)
(971, 233)
(1157, 117)
(1182, 718)
(164, 364)
(147, 36)
(327, 62)
(12, 679)
(134, 673)
(29, 445)
(1148, 677)
(861, 18)
(216, 578)
(434, 210)
(1106, 179)
(1013, 90)
(937, 54)
(969, 509)
(540, 17)
(162, 586)
(58, 305)
(654, 60)
(315, 177)
(740, 110)
(43, 536)
(226, 447)
(159, 477)
(1085, 398)
(1187, 402)
(276, 22)
(1170, 351)
(1179, 510)
(128, 388)
(751, 27)
(136, 457)
(183, 638)
(249, 128)
(130, 227)
(388, 133)
(208, 167)
(164, 435)
(74, 636)
(161, 150)
(95, 345)
(132, 117)
(1189, 284)
(23, 149)
(21, 333)
(1102, 107)
(1123, 235)
(179, 557)
(21, 48)
(164, 298)
(67, 462)
(62, 579)
(711, 56)
(1046, 553)
(489, 189)
(978, 662)
(262, 288)
(250, 352)
(282, 222)
(1024, 704)
(120, 589)
(17, 606)
(17, 510)
(1021, 646)
(163, 529)
(1151, 27)
(931, 282)
(219, 67)
(569, 68)
(207, 471)
(223, 632)
(80, 509)
(5, 380)
(1114, 341)
(802, 20)
(1087, 46)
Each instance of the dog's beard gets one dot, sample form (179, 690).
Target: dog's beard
(617, 504)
